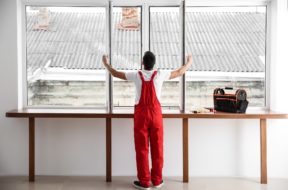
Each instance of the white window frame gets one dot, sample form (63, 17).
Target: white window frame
(142, 37)
(21, 34)
(22, 65)
(246, 3)
(181, 101)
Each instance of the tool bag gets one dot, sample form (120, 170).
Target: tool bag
(234, 103)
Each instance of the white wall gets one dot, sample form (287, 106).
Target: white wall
(13, 132)
(77, 146)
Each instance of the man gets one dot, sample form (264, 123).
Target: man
(148, 122)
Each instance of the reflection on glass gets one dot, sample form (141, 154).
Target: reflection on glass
(64, 49)
(228, 48)
(126, 51)
(164, 42)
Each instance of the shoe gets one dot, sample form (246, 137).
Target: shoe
(159, 185)
(137, 185)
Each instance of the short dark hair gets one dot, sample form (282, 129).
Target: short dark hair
(149, 60)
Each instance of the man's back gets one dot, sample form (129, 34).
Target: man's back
(160, 77)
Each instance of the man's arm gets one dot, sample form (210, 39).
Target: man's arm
(181, 70)
(114, 73)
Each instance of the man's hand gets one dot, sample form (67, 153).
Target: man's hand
(105, 60)
(114, 73)
(181, 70)
(189, 59)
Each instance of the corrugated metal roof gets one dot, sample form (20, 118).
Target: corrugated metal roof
(73, 41)
(228, 42)
(126, 46)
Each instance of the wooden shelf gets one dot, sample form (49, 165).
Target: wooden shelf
(32, 114)
(128, 113)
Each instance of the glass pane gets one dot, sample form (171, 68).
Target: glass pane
(164, 42)
(126, 51)
(64, 49)
(228, 48)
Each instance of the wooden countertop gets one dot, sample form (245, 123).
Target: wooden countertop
(128, 113)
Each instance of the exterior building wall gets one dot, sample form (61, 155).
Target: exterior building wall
(79, 93)
(67, 93)
(201, 92)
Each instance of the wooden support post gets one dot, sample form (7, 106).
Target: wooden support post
(31, 149)
(108, 150)
(185, 151)
(263, 144)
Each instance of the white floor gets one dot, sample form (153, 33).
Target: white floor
(124, 183)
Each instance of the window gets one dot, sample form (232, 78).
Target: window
(126, 51)
(165, 43)
(64, 49)
(228, 47)
(64, 46)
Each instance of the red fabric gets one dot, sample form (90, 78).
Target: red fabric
(148, 127)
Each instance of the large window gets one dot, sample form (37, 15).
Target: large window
(228, 48)
(165, 43)
(64, 49)
(64, 46)
(126, 51)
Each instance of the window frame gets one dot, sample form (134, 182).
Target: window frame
(145, 43)
(180, 106)
(111, 85)
(24, 100)
(267, 41)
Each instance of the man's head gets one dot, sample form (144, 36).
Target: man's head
(149, 60)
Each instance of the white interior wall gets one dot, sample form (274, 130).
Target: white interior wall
(13, 133)
(77, 146)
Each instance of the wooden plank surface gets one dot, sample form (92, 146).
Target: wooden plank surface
(91, 113)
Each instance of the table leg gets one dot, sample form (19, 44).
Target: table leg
(108, 150)
(185, 151)
(263, 144)
(31, 149)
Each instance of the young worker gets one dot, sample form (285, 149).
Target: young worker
(148, 122)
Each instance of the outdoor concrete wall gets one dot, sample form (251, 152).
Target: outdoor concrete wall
(77, 146)
(91, 93)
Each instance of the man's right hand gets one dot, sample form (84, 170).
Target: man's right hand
(189, 59)
(105, 60)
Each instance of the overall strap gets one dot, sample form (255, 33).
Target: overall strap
(153, 75)
(141, 76)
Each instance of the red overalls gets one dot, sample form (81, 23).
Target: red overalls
(148, 127)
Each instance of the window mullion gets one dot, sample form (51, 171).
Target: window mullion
(145, 28)
(182, 56)
(110, 79)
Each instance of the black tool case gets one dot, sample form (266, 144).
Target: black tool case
(233, 103)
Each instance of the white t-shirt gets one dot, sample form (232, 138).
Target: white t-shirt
(160, 77)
